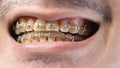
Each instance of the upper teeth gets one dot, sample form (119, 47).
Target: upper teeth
(40, 30)
(39, 25)
(73, 27)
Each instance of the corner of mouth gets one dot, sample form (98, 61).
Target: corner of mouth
(48, 47)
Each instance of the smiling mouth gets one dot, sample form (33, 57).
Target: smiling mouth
(28, 29)
(33, 35)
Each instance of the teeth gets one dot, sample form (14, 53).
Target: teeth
(29, 25)
(40, 25)
(69, 37)
(83, 30)
(32, 31)
(64, 26)
(22, 23)
(52, 26)
(75, 25)
(42, 37)
(51, 36)
(18, 28)
(60, 37)
(22, 38)
(35, 37)
(28, 38)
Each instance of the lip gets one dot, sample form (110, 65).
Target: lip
(46, 48)
(52, 15)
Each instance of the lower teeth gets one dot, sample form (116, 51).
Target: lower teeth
(48, 36)
(71, 32)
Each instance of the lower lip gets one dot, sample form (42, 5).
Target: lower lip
(47, 48)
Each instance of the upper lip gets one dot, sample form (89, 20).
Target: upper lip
(46, 47)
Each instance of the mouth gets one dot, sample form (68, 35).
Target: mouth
(37, 35)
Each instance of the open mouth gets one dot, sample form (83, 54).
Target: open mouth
(28, 29)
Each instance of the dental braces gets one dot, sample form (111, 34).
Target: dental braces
(39, 25)
(41, 34)
(51, 25)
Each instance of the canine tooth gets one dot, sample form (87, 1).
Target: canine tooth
(64, 26)
(51, 36)
(22, 22)
(52, 26)
(42, 37)
(40, 25)
(29, 25)
(75, 25)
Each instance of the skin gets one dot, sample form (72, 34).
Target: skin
(101, 52)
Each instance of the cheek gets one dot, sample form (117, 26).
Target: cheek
(4, 40)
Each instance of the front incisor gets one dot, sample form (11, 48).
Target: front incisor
(51, 36)
(42, 37)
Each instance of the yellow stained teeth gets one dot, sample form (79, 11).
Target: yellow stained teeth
(40, 25)
(22, 23)
(29, 25)
(60, 37)
(52, 26)
(35, 38)
(51, 36)
(42, 37)
(18, 28)
(64, 26)
(74, 28)
(69, 37)
(31, 30)
(75, 25)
